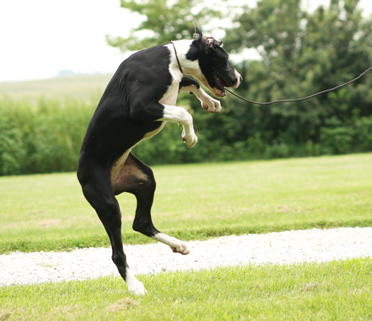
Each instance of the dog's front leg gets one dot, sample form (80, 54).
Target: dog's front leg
(181, 116)
(192, 86)
(207, 102)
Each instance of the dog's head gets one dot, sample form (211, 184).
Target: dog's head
(216, 73)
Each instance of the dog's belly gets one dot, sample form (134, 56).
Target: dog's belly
(119, 163)
(116, 167)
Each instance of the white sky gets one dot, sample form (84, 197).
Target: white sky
(39, 38)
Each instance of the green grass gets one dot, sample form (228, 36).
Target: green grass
(75, 86)
(330, 291)
(49, 212)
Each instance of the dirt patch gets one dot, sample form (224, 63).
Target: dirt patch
(123, 305)
(5, 315)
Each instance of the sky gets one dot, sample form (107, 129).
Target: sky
(40, 38)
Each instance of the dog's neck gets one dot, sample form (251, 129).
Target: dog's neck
(181, 48)
(188, 67)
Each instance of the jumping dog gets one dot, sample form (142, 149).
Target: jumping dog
(138, 100)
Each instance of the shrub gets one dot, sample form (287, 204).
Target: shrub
(47, 137)
(362, 139)
(336, 140)
(43, 138)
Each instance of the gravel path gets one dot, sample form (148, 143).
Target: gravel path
(285, 247)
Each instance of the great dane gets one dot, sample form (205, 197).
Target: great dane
(137, 102)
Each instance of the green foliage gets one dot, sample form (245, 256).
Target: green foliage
(47, 137)
(302, 54)
(164, 21)
(42, 138)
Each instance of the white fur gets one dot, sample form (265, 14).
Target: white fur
(134, 286)
(207, 102)
(181, 116)
(175, 244)
(177, 114)
(189, 67)
(239, 77)
(183, 47)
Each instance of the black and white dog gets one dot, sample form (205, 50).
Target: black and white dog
(137, 102)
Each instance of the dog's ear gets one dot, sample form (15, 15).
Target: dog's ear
(198, 33)
(213, 43)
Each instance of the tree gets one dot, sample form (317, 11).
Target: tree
(165, 21)
(303, 53)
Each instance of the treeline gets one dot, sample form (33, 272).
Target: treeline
(47, 137)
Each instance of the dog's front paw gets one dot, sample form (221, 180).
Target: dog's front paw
(212, 105)
(190, 140)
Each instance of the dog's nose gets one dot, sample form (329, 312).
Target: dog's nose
(241, 79)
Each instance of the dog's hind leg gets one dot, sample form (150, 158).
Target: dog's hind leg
(98, 191)
(137, 178)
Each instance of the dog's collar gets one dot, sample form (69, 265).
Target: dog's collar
(178, 61)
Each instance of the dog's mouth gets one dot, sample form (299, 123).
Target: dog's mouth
(219, 91)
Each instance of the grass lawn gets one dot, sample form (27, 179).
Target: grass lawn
(329, 291)
(84, 87)
(49, 212)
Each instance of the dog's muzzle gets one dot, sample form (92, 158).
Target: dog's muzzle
(239, 79)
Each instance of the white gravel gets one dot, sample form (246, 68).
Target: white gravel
(284, 248)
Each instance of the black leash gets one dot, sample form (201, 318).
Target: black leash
(286, 100)
(301, 99)
(178, 61)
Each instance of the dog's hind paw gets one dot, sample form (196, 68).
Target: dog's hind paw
(182, 249)
(175, 244)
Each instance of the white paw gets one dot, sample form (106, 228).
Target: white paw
(138, 290)
(212, 105)
(190, 140)
(175, 244)
(182, 248)
(134, 286)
